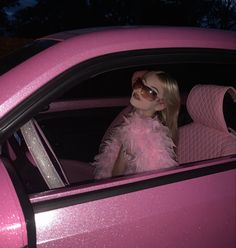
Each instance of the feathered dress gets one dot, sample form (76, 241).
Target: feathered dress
(146, 145)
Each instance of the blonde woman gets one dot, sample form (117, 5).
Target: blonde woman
(147, 137)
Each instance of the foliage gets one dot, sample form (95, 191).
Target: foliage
(4, 4)
(50, 16)
(222, 14)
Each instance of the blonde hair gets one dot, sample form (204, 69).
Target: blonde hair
(171, 97)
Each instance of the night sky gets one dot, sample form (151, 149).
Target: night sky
(27, 2)
(23, 4)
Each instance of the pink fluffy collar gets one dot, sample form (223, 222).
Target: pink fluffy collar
(146, 143)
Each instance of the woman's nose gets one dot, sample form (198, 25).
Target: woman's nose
(139, 90)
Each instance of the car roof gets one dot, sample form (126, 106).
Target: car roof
(80, 45)
(223, 39)
(65, 35)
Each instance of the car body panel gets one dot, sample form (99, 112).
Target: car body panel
(13, 225)
(192, 205)
(191, 213)
(37, 71)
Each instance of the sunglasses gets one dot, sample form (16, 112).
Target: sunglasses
(146, 92)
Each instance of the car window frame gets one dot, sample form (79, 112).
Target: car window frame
(42, 98)
(38, 101)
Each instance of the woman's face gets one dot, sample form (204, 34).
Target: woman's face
(147, 95)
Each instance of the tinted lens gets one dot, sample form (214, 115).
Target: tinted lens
(146, 91)
(149, 94)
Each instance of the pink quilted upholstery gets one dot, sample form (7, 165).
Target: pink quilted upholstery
(207, 136)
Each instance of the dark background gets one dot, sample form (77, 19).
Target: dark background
(24, 20)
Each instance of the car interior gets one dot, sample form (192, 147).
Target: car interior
(72, 127)
(207, 136)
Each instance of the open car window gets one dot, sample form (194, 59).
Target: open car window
(73, 125)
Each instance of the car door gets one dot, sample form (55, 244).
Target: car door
(186, 207)
(12, 217)
(192, 205)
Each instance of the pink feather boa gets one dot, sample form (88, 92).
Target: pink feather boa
(146, 143)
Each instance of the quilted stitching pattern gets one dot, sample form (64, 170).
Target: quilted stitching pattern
(198, 142)
(205, 105)
(207, 137)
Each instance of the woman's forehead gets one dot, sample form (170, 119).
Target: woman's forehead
(154, 81)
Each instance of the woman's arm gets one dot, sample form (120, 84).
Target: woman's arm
(120, 164)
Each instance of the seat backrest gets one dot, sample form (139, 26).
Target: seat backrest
(208, 135)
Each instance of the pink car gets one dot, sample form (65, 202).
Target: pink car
(60, 96)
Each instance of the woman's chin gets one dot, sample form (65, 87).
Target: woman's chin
(136, 103)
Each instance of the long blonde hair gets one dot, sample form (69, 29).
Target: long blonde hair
(171, 97)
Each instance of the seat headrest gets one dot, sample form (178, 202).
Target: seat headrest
(205, 105)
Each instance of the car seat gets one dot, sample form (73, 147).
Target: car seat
(208, 136)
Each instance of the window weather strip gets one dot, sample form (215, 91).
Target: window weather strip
(40, 156)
